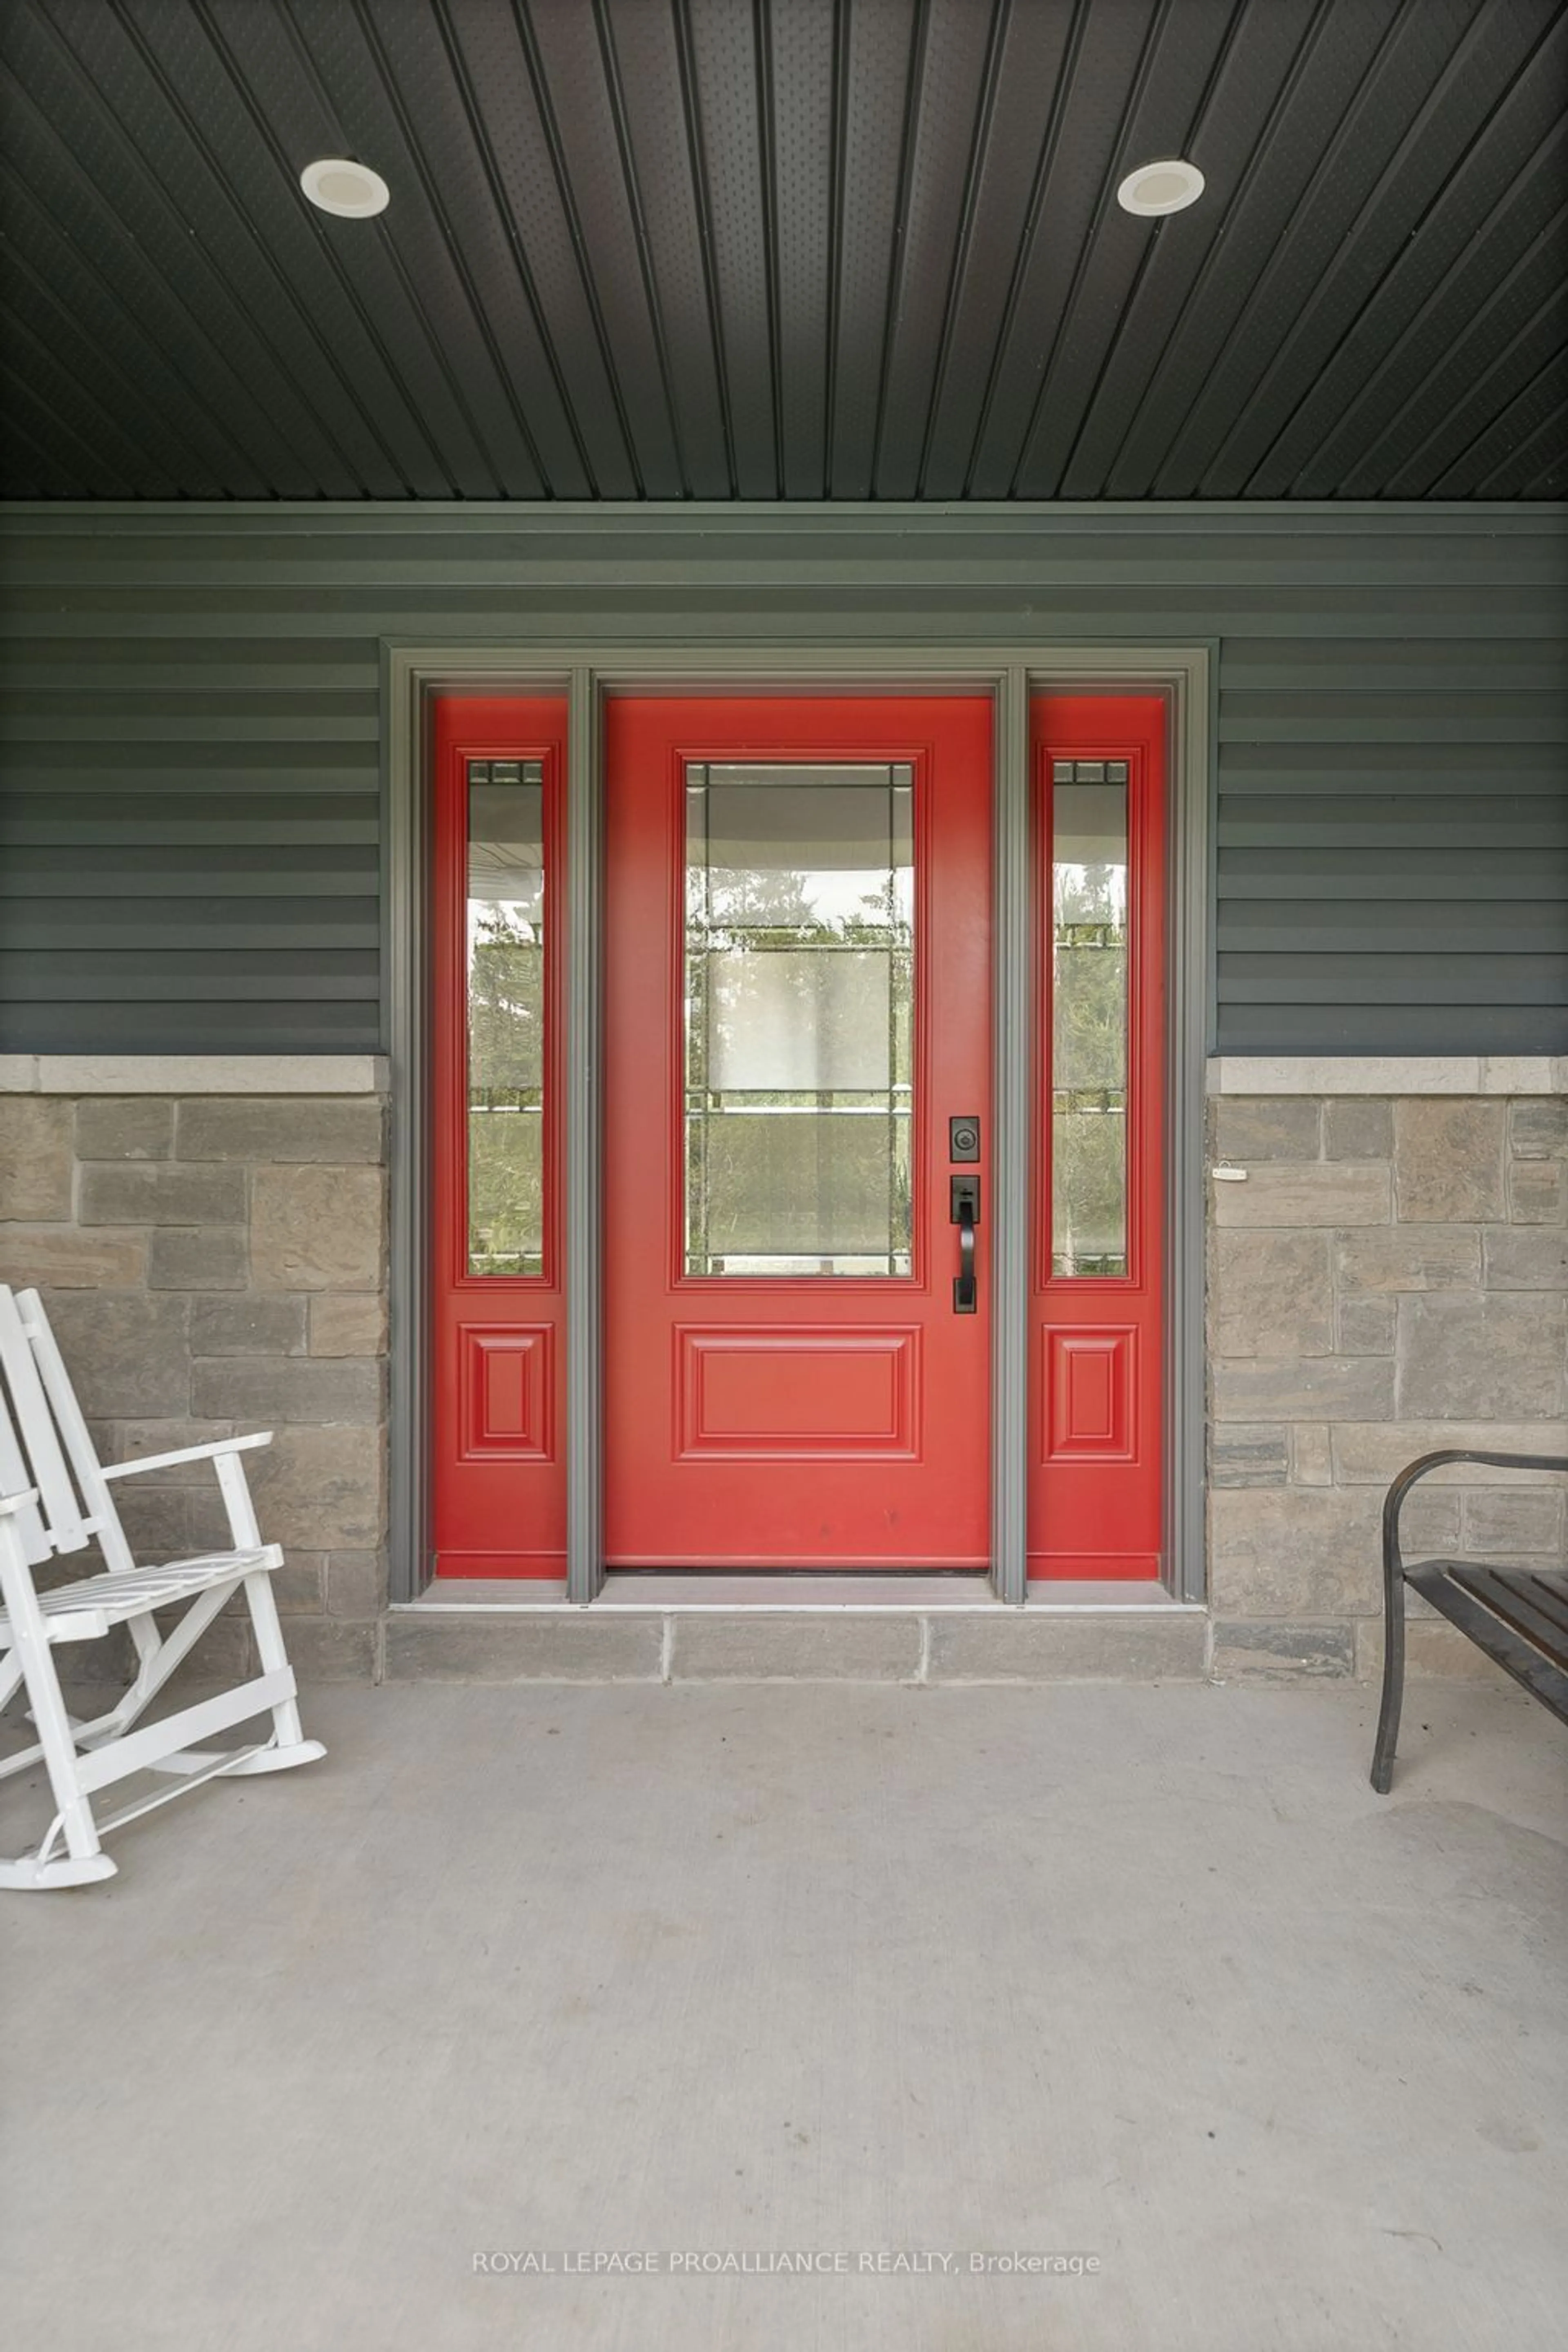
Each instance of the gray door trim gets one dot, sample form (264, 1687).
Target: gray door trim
(1186, 674)
(1013, 1063)
(583, 1093)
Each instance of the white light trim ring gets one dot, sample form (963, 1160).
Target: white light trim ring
(353, 191)
(1154, 189)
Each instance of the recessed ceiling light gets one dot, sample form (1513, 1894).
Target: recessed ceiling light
(351, 189)
(1155, 188)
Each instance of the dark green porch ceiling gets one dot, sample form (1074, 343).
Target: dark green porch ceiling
(784, 249)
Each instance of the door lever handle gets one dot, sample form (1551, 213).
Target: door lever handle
(966, 1213)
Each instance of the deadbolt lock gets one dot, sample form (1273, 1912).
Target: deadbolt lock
(964, 1139)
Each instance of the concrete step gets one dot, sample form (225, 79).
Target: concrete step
(870, 1643)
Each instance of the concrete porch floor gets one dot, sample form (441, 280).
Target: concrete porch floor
(1142, 1973)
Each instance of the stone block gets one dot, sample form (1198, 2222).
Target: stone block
(1515, 1073)
(1461, 1356)
(127, 1352)
(197, 1257)
(1364, 1326)
(224, 1652)
(265, 1390)
(63, 1257)
(1272, 1295)
(1538, 1191)
(1269, 1652)
(579, 1645)
(1539, 1131)
(136, 1192)
(124, 1126)
(1435, 1651)
(1500, 1521)
(1374, 1453)
(1312, 1464)
(208, 1515)
(1308, 1553)
(299, 1584)
(1525, 1257)
(156, 1520)
(1409, 1257)
(755, 1646)
(1276, 1127)
(247, 1327)
(356, 1584)
(1303, 1388)
(1249, 1453)
(35, 1158)
(1358, 1128)
(211, 1073)
(315, 1228)
(1448, 1159)
(321, 1488)
(348, 1323)
(1012, 1645)
(1345, 1074)
(1316, 1192)
(331, 1650)
(133, 1441)
(1430, 1524)
(311, 1128)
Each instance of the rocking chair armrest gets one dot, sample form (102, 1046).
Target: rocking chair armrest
(189, 1454)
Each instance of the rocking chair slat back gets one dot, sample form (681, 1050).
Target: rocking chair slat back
(102, 1518)
(64, 1519)
(26, 1520)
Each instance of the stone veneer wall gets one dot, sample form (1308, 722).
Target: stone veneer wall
(1389, 1279)
(216, 1263)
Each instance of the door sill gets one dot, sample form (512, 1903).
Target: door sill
(661, 1589)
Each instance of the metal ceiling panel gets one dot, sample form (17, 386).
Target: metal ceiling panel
(784, 249)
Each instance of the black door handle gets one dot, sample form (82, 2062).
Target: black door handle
(965, 1212)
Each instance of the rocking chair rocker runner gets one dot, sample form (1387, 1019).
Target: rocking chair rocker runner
(54, 1498)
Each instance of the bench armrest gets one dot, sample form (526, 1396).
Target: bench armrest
(1394, 1501)
(188, 1454)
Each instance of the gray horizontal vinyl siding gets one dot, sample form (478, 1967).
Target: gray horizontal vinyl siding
(190, 758)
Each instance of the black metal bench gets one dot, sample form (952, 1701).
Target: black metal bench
(1517, 1615)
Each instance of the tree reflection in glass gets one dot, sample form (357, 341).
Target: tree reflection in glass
(1089, 1018)
(506, 1017)
(799, 1007)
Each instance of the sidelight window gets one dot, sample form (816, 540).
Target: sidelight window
(1088, 1016)
(506, 1017)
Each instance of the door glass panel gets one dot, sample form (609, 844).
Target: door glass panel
(799, 1005)
(506, 1017)
(1088, 1017)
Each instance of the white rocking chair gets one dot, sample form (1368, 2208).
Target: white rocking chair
(54, 1498)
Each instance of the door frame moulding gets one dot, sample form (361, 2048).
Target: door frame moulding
(413, 674)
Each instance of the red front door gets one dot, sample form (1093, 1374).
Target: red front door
(797, 1132)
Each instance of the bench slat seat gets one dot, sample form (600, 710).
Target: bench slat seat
(1520, 1617)
(1516, 1616)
